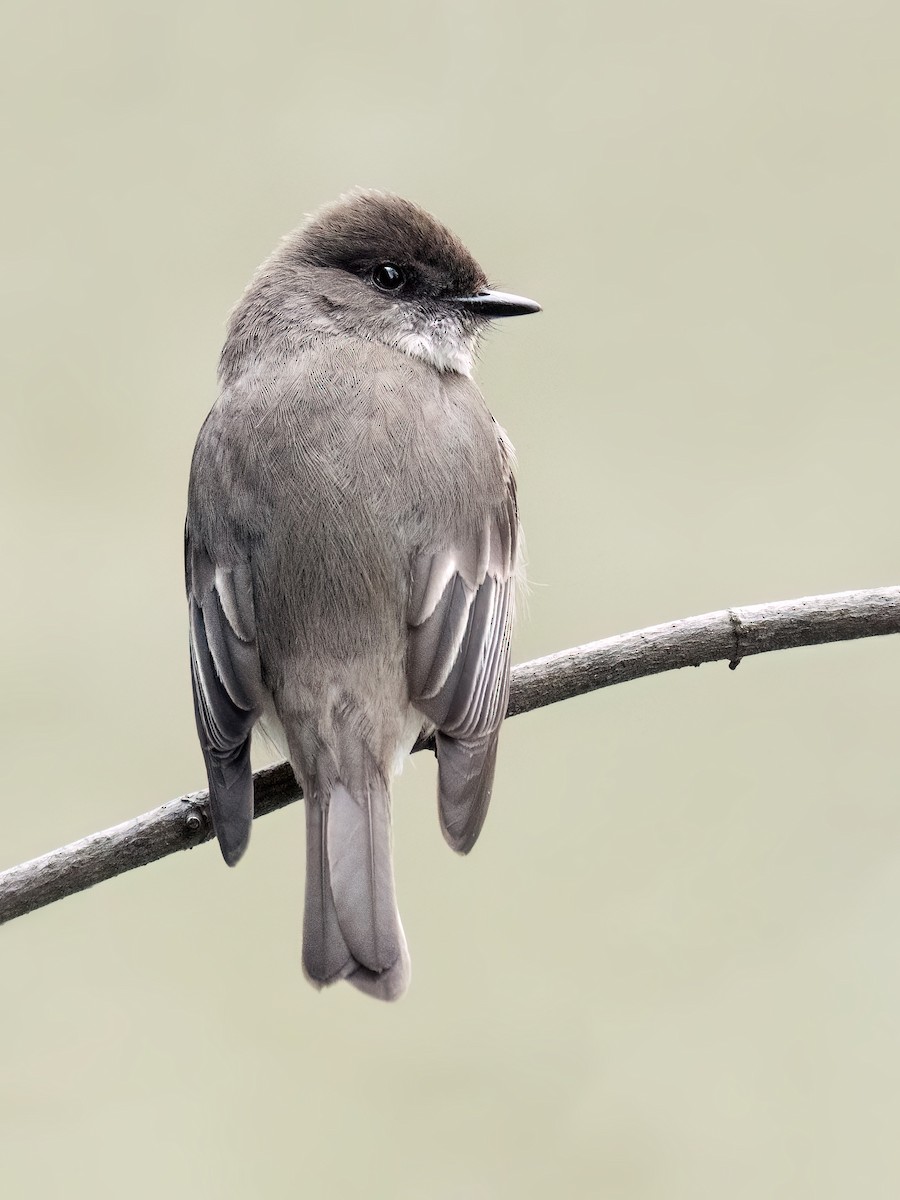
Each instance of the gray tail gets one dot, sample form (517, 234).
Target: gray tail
(351, 926)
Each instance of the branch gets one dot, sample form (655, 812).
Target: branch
(732, 634)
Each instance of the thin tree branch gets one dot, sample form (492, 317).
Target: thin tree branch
(731, 635)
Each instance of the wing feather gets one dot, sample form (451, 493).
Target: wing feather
(458, 663)
(227, 686)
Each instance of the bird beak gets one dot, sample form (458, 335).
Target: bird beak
(496, 304)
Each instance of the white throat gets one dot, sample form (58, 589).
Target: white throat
(442, 342)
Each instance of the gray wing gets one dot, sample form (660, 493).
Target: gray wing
(460, 618)
(225, 673)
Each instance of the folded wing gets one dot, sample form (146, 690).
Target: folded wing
(460, 617)
(225, 673)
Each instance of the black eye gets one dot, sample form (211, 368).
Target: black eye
(388, 278)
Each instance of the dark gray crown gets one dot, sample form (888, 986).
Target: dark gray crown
(365, 229)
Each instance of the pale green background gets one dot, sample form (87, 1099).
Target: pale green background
(670, 968)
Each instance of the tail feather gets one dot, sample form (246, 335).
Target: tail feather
(326, 957)
(362, 875)
(384, 985)
(352, 927)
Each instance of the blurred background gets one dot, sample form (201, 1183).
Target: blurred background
(671, 967)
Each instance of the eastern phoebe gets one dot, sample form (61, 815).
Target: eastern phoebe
(351, 556)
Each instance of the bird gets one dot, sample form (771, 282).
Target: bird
(352, 553)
